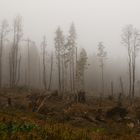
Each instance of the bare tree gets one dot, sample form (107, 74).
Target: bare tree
(14, 57)
(71, 46)
(51, 72)
(81, 67)
(131, 39)
(66, 60)
(102, 56)
(44, 55)
(112, 89)
(28, 60)
(121, 85)
(59, 45)
(4, 29)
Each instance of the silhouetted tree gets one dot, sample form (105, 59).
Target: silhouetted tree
(112, 89)
(29, 42)
(121, 85)
(81, 67)
(14, 57)
(131, 39)
(59, 45)
(4, 29)
(102, 54)
(44, 55)
(71, 46)
(51, 72)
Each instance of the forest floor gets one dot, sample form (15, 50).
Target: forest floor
(32, 115)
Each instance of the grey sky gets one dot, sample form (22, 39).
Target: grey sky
(95, 20)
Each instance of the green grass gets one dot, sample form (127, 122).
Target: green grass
(17, 125)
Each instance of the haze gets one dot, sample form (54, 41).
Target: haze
(95, 20)
(69, 69)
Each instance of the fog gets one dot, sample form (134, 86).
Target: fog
(94, 20)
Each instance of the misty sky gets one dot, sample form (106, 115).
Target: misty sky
(95, 20)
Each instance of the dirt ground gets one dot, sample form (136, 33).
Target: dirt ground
(107, 118)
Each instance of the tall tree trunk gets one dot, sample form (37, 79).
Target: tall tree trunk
(59, 74)
(102, 81)
(112, 89)
(28, 64)
(73, 72)
(133, 81)
(51, 73)
(1, 51)
(130, 78)
(121, 85)
(44, 72)
(70, 67)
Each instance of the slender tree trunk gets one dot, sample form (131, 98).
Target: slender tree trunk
(0, 70)
(44, 63)
(28, 64)
(76, 77)
(73, 72)
(65, 72)
(59, 73)
(70, 65)
(102, 81)
(112, 89)
(62, 68)
(130, 73)
(121, 84)
(1, 52)
(44, 71)
(40, 73)
(25, 77)
(51, 73)
(133, 82)
(18, 71)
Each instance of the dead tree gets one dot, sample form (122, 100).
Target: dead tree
(3, 33)
(121, 85)
(28, 60)
(81, 67)
(9, 101)
(131, 39)
(66, 61)
(102, 56)
(14, 58)
(81, 97)
(71, 46)
(112, 89)
(59, 45)
(44, 55)
(51, 73)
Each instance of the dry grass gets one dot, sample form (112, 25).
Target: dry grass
(19, 123)
(15, 125)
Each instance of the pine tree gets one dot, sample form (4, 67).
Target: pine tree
(59, 46)
(102, 54)
(81, 67)
(71, 46)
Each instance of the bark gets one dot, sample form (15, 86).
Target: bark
(112, 89)
(44, 64)
(121, 85)
(51, 73)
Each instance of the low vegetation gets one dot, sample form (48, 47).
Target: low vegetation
(58, 119)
